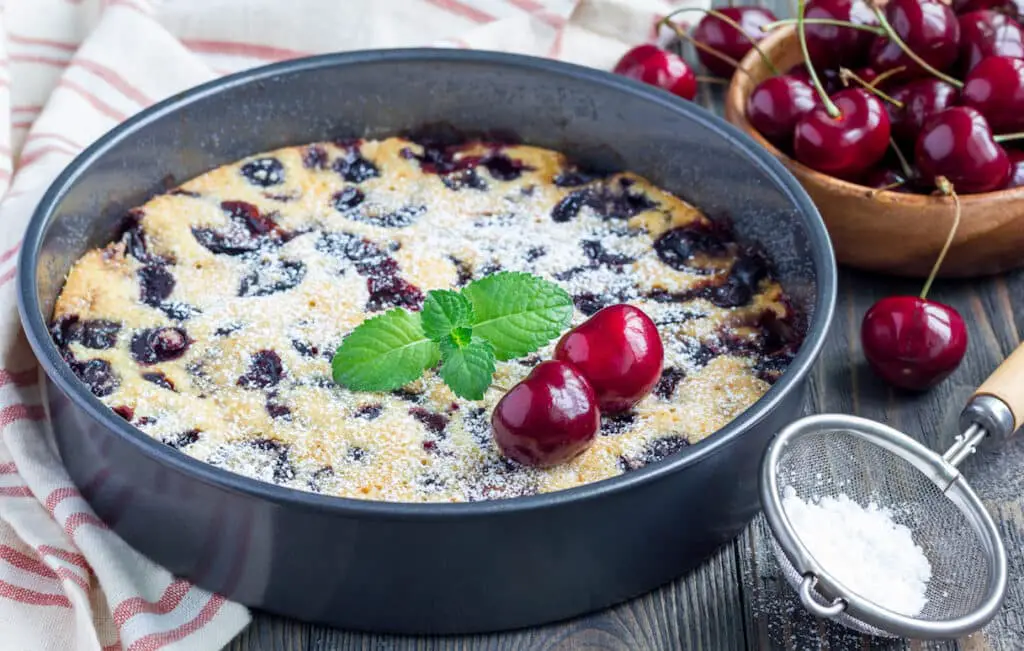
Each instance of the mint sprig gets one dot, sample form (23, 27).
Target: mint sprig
(498, 317)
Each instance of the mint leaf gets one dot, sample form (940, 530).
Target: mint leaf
(384, 353)
(517, 312)
(443, 311)
(467, 367)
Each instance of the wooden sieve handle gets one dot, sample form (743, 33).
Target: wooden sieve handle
(1007, 384)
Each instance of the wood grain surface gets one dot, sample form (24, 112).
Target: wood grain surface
(737, 599)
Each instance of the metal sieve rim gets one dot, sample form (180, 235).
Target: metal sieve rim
(945, 476)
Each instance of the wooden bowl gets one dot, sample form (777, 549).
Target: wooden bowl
(890, 232)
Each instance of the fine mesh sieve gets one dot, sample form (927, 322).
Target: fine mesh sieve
(831, 455)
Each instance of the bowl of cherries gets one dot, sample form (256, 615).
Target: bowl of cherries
(887, 111)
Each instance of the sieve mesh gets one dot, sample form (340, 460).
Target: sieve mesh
(830, 463)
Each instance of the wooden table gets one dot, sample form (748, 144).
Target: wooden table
(737, 599)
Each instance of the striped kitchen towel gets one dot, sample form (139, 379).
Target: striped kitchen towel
(69, 71)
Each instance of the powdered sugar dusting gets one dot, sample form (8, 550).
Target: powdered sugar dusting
(274, 259)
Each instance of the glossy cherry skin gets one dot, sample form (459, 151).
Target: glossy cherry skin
(1016, 168)
(658, 67)
(848, 145)
(620, 353)
(831, 46)
(715, 33)
(913, 343)
(929, 27)
(776, 104)
(958, 144)
(996, 88)
(549, 418)
(986, 33)
(922, 99)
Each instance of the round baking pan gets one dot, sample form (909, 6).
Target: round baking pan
(424, 568)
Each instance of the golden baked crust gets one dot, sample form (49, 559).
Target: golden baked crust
(210, 324)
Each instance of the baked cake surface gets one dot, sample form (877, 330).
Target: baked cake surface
(211, 322)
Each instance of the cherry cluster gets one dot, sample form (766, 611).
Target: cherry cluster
(606, 365)
(891, 94)
(879, 99)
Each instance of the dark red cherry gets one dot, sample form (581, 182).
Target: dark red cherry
(831, 46)
(657, 67)
(928, 27)
(549, 418)
(619, 351)
(922, 99)
(1016, 168)
(848, 145)
(723, 37)
(776, 104)
(912, 342)
(996, 88)
(957, 144)
(986, 33)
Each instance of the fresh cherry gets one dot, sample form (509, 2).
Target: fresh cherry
(776, 104)
(1016, 168)
(847, 145)
(996, 88)
(620, 353)
(719, 35)
(986, 33)
(832, 46)
(922, 99)
(911, 342)
(549, 418)
(958, 144)
(658, 67)
(928, 27)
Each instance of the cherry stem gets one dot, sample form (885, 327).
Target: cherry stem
(891, 72)
(904, 165)
(824, 21)
(1003, 137)
(894, 37)
(666, 21)
(712, 80)
(892, 186)
(946, 188)
(846, 74)
(830, 107)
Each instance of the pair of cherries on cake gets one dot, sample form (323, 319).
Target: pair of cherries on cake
(605, 365)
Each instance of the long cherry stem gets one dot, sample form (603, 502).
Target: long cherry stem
(946, 188)
(824, 21)
(894, 37)
(1003, 137)
(666, 21)
(830, 107)
(846, 74)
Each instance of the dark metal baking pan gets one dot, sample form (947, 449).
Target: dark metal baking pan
(424, 568)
